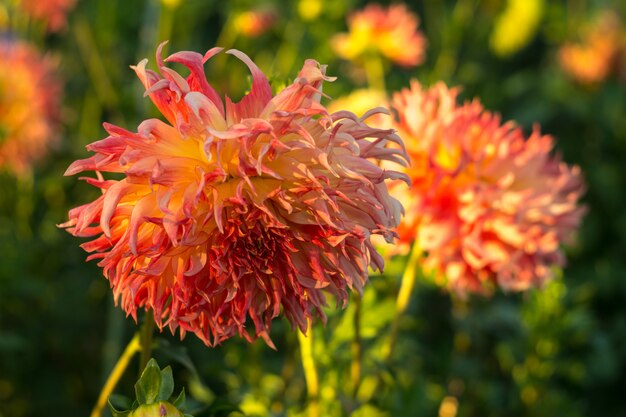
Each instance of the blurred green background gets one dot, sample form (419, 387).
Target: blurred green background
(559, 351)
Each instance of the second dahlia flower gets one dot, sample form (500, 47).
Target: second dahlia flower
(29, 101)
(488, 206)
(228, 215)
(391, 32)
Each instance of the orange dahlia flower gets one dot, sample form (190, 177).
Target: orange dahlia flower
(29, 101)
(486, 205)
(253, 23)
(391, 32)
(236, 213)
(592, 60)
(52, 12)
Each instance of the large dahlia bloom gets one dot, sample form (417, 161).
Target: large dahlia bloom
(487, 206)
(390, 31)
(29, 101)
(226, 215)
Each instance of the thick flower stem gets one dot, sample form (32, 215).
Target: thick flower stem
(402, 302)
(310, 372)
(147, 329)
(117, 372)
(375, 72)
(357, 347)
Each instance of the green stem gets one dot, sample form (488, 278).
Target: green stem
(452, 39)
(310, 372)
(94, 63)
(24, 204)
(113, 339)
(287, 52)
(117, 372)
(404, 296)
(375, 72)
(357, 347)
(166, 23)
(147, 329)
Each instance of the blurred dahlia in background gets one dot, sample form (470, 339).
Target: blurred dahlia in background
(391, 32)
(236, 212)
(29, 106)
(487, 206)
(52, 12)
(253, 23)
(602, 45)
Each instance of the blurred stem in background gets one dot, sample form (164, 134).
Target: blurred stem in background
(451, 37)
(166, 20)
(113, 340)
(227, 37)
(375, 71)
(402, 302)
(576, 12)
(92, 59)
(146, 332)
(24, 204)
(133, 347)
(310, 372)
(18, 22)
(357, 346)
(288, 50)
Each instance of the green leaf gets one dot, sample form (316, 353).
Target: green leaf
(167, 384)
(176, 353)
(121, 402)
(181, 401)
(221, 408)
(148, 387)
(117, 413)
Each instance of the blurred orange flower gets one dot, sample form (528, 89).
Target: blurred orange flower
(592, 60)
(29, 102)
(486, 205)
(391, 32)
(226, 214)
(253, 23)
(52, 12)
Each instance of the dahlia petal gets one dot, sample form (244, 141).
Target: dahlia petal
(111, 199)
(253, 103)
(197, 80)
(206, 110)
(142, 209)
